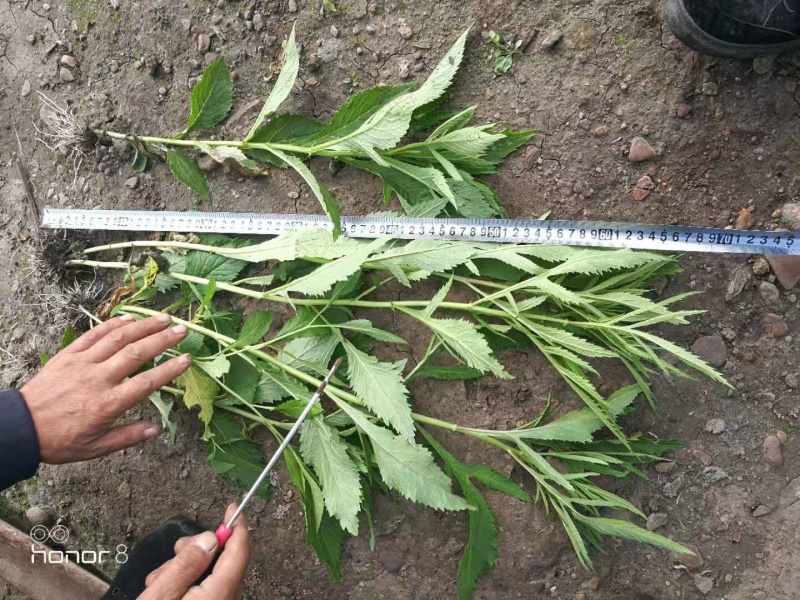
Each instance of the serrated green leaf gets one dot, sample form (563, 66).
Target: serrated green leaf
(212, 98)
(498, 151)
(509, 254)
(213, 266)
(233, 456)
(294, 408)
(165, 408)
(389, 124)
(447, 373)
(254, 329)
(463, 339)
(293, 129)
(405, 466)
(201, 391)
(457, 121)
(283, 85)
(423, 255)
(469, 200)
(326, 452)
(242, 380)
(215, 367)
(367, 328)
(467, 142)
(306, 351)
(596, 262)
(380, 385)
(438, 298)
(627, 530)
(187, 172)
(321, 279)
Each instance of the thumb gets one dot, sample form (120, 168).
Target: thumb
(181, 573)
(124, 436)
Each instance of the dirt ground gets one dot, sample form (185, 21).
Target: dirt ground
(725, 134)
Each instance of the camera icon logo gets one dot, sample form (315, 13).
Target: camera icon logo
(58, 534)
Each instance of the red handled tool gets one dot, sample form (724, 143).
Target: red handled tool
(226, 529)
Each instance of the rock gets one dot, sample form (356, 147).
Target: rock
(645, 183)
(404, 70)
(26, 89)
(600, 130)
(207, 164)
(640, 150)
(312, 81)
(65, 74)
(121, 149)
(702, 457)
(334, 31)
(761, 510)
(665, 466)
(404, 30)
(763, 64)
(683, 111)
(715, 426)
(585, 124)
(69, 61)
(293, 195)
(532, 155)
(39, 516)
(703, 583)
(656, 520)
(744, 220)
(132, 182)
(291, 6)
(640, 194)
(790, 216)
(210, 57)
(772, 451)
(258, 22)
(690, 561)
(710, 88)
(124, 490)
(782, 437)
(551, 39)
(714, 474)
(203, 43)
(391, 560)
(673, 488)
(712, 349)
(162, 91)
(771, 296)
(760, 266)
(329, 50)
(114, 4)
(774, 325)
(786, 269)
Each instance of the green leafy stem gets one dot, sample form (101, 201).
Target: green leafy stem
(436, 176)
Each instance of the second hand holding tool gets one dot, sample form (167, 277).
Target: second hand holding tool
(225, 530)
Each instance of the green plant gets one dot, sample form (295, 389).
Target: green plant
(571, 304)
(504, 53)
(437, 175)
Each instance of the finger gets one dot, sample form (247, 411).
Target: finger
(183, 570)
(179, 546)
(91, 337)
(133, 356)
(153, 575)
(128, 393)
(124, 436)
(117, 339)
(232, 563)
(182, 543)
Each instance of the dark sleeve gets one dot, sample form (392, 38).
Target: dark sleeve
(19, 446)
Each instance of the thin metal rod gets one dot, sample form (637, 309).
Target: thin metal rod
(284, 443)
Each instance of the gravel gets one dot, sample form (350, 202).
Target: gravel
(640, 150)
(65, 74)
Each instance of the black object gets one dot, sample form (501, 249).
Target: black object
(147, 555)
(735, 28)
(19, 445)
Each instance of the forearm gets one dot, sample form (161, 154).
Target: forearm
(19, 446)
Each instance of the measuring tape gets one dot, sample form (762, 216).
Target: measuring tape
(601, 234)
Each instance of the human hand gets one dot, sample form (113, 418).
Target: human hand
(175, 579)
(79, 394)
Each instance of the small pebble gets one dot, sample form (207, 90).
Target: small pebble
(761, 510)
(39, 516)
(760, 266)
(26, 89)
(334, 31)
(656, 520)
(291, 6)
(772, 451)
(744, 219)
(162, 91)
(770, 295)
(404, 30)
(683, 111)
(551, 39)
(703, 584)
(65, 74)
(763, 64)
(775, 326)
(600, 130)
(132, 182)
(691, 562)
(69, 61)
(711, 349)
(293, 195)
(640, 150)
(710, 88)
(715, 426)
(203, 43)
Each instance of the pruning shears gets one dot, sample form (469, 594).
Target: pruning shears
(225, 530)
